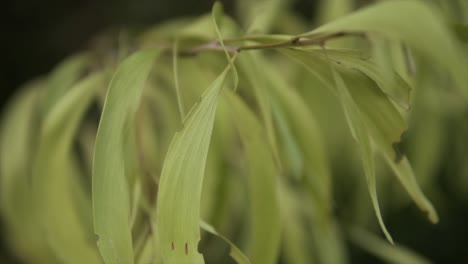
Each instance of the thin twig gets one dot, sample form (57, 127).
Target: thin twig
(293, 42)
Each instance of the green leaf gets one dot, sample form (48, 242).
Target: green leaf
(180, 186)
(334, 9)
(259, 16)
(360, 133)
(53, 176)
(385, 124)
(386, 129)
(358, 127)
(235, 252)
(61, 79)
(217, 16)
(251, 68)
(262, 185)
(414, 22)
(394, 85)
(294, 238)
(111, 198)
(390, 254)
(17, 145)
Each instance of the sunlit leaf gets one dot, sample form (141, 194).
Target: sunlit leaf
(417, 24)
(360, 133)
(111, 198)
(178, 210)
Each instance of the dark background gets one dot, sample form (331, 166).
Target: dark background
(36, 35)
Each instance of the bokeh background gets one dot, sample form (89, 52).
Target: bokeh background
(36, 35)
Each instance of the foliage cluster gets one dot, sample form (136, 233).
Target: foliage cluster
(270, 143)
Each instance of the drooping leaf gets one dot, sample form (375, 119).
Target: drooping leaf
(294, 238)
(250, 69)
(235, 252)
(384, 124)
(111, 198)
(53, 177)
(359, 129)
(391, 254)
(333, 9)
(259, 16)
(17, 146)
(393, 85)
(61, 79)
(262, 184)
(317, 179)
(360, 133)
(413, 22)
(178, 210)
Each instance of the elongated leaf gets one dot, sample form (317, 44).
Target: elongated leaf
(111, 202)
(52, 179)
(414, 22)
(178, 210)
(361, 135)
(62, 78)
(258, 82)
(235, 252)
(354, 119)
(262, 180)
(17, 146)
(259, 16)
(294, 238)
(386, 131)
(306, 132)
(394, 85)
(385, 123)
(333, 9)
(390, 254)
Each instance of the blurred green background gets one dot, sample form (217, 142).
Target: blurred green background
(36, 35)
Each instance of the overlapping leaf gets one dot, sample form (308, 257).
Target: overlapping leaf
(111, 198)
(16, 154)
(262, 184)
(414, 22)
(178, 210)
(53, 177)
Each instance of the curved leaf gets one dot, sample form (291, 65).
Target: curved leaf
(53, 176)
(235, 253)
(111, 198)
(180, 186)
(17, 145)
(414, 22)
(262, 183)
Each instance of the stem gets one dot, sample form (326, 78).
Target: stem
(293, 42)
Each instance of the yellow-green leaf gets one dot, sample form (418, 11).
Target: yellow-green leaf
(180, 186)
(111, 198)
(262, 185)
(53, 177)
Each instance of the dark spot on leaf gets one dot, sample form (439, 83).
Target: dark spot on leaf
(172, 246)
(186, 249)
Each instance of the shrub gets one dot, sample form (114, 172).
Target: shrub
(280, 130)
